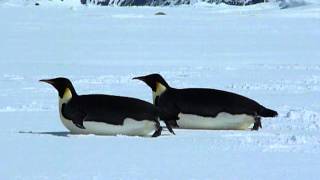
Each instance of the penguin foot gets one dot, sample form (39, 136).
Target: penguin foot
(169, 127)
(158, 132)
(257, 124)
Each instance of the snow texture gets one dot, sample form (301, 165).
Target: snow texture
(283, 4)
(260, 51)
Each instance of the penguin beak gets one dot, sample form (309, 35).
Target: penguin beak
(49, 81)
(141, 78)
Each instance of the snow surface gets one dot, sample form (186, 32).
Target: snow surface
(260, 51)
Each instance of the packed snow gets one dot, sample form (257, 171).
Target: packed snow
(261, 51)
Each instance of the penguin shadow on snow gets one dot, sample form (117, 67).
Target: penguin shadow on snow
(67, 133)
(57, 133)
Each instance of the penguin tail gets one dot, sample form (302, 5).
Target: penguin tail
(265, 112)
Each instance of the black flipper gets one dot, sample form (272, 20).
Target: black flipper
(257, 124)
(74, 115)
(80, 125)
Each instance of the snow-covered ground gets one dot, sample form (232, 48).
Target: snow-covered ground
(260, 51)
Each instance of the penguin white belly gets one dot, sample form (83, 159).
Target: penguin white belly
(223, 121)
(130, 127)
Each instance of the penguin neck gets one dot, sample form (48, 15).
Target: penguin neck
(160, 89)
(68, 94)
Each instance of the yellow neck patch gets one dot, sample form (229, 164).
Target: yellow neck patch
(159, 90)
(67, 95)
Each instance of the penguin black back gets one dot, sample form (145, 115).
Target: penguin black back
(209, 102)
(114, 107)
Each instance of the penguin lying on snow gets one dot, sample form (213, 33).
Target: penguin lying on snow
(205, 108)
(104, 114)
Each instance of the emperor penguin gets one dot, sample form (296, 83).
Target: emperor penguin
(104, 114)
(200, 108)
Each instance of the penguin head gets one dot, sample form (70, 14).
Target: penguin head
(155, 82)
(63, 86)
